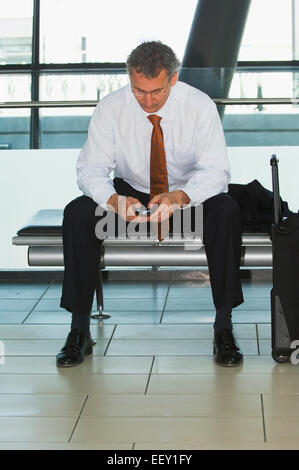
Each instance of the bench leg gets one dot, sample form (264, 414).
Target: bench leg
(100, 300)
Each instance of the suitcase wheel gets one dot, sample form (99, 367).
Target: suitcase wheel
(280, 356)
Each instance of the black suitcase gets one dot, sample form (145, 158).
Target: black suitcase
(285, 291)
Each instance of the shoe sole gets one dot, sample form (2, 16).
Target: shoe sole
(228, 365)
(87, 352)
(225, 365)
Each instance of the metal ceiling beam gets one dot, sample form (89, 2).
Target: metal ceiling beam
(212, 48)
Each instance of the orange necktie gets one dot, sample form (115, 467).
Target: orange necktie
(158, 167)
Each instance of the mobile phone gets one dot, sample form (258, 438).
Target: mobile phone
(144, 212)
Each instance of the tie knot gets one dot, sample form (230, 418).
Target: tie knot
(155, 120)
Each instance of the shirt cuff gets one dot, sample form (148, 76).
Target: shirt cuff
(193, 193)
(102, 197)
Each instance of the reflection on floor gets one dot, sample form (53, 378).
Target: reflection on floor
(151, 382)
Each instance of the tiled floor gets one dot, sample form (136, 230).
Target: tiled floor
(151, 382)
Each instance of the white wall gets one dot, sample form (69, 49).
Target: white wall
(249, 163)
(31, 180)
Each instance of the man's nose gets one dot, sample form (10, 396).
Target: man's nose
(148, 99)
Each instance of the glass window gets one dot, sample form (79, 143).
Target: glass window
(67, 127)
(269, 31)
(14, 123)
(65, 87)
(265, 84)
(64, 128)
(266, 125)
(16, 32)
(100, 31)
(263, 124)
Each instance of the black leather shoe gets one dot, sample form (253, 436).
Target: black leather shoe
(77, 346)
(226, 349)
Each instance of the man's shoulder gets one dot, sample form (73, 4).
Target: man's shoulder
(112, 105)
(192, 96)
(116, 97)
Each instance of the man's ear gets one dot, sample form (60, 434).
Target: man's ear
(174, 78)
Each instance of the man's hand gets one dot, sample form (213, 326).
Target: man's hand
(167, 203)
(124, 206)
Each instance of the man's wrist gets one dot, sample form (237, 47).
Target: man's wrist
(183, 198)
(112, 201)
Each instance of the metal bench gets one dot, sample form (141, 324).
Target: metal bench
(42, 234)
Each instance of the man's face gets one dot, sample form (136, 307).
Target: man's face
(152, 93)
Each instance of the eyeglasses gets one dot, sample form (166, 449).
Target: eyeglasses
(158, 92)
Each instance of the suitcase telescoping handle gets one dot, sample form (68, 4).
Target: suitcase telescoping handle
(275, 186)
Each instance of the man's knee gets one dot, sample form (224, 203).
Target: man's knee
(223, 206)
(80, 207)
(230, 207)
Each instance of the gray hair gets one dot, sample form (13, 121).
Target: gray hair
(149, 58)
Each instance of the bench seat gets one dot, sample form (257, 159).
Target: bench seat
(42, 234)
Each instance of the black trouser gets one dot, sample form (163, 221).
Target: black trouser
(222, 235)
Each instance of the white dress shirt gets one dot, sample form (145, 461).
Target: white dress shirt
(119, 140)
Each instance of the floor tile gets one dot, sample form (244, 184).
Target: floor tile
(22, 290)
(42, 347)
(121, 289)
(61, 317)
(163, 332)
(51, 317)
(72, 384)
(91, 365)
(195, 292)
(169, 331)
(184, 430)
(116, 316)
(191, 283)
(218, 446)
(264, 331)
(188, 316)
(48, 305)
(281, 405)
(244, 331)
(253, 304)
(172, 406)
(140, 290)
(169, 347)
(206, 364)
(65, 446)
(17, 305)
(256, 289)
(265, 347)
(159, 347)
(54, 291)
(135, 304)
(41, 405)
(189, 303)
(225, 383)
(254, 316)
(11, 318)
(282, 429)
(150, 303)
(45, 429)
(208, 316)
(48, 332)
(131, 317)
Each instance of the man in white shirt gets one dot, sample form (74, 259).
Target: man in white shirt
(119, 140)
